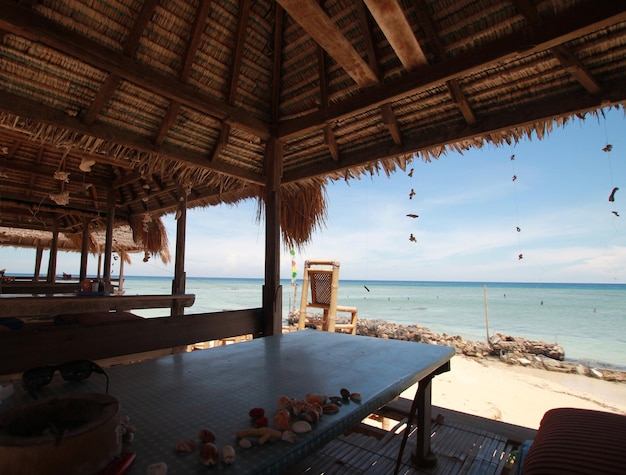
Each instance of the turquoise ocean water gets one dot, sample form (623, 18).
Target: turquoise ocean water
(588, 320)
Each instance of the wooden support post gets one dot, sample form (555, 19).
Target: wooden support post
(54, 244)
(38, 258)
(272, 290)
(108, 245)
(178, 284)
(84, 251)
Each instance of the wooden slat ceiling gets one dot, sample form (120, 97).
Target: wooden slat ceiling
(163, 99)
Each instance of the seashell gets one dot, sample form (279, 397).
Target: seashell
(316, 398)
(345, 393)
(355, 397)
(209, 455)
(206, 436)
(262, 422)
(245, 443)
(256, 412)
(157, 469)
(335, 400)
(228, 454)
(289, 436)
(310, 416)
(301, 427)
(187, 445)
(282, 420)
(330, 408)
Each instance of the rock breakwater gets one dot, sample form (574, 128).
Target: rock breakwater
(512, 350)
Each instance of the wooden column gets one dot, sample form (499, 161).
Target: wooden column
(108, 245)
(54, 244)
(272, 290)
(179, 282)
(38, 258)
(84, 251)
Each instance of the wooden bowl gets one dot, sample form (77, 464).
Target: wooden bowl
(71, 435)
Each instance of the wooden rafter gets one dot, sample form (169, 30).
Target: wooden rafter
(331, 143)
(187, 61)
(390, 121)
(366, 28)
(456, 92)
(551, 33)
(310, 16)
(564, 56)
(394, 25)
(276, 64)
(112, 82)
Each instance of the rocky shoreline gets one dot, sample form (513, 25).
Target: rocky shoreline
(509, 349)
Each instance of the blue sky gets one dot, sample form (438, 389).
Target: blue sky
(469, 207)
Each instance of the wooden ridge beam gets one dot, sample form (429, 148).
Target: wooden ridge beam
(394, 25)
(310, 16)
(552, 32)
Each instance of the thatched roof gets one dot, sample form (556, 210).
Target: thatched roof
(194, 98)
(151, 241)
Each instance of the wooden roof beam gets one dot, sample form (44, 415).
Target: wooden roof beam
(310, 16)
(394, 25)
(572, 24)
(23, 22)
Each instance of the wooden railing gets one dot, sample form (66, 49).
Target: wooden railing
(31, 347)
(59, 304)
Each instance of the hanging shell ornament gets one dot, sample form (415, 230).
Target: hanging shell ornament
(62, 176)
(86, 164)
(62, 199)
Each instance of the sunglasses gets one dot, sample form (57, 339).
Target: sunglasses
(77, 370)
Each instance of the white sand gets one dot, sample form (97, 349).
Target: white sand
(519, 395)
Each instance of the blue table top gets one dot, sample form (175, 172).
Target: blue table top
(171, 398)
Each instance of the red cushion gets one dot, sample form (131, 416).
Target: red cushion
(578, 441)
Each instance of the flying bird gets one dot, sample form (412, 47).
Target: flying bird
(412, 194)
(411, 172)
(615, 213)
(412, 215)
(412, 238)
(612, 197)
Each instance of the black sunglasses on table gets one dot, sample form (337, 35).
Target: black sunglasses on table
(77, 370)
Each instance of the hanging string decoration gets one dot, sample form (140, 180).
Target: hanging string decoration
(520, 256)
(412, 238)
(293, 267)
(608, 148)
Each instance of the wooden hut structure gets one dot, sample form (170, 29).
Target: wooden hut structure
(120, 110)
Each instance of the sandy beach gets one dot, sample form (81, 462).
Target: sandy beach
(519, 395)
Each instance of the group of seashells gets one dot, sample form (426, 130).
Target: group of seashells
(209, 453)
(305, 411)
